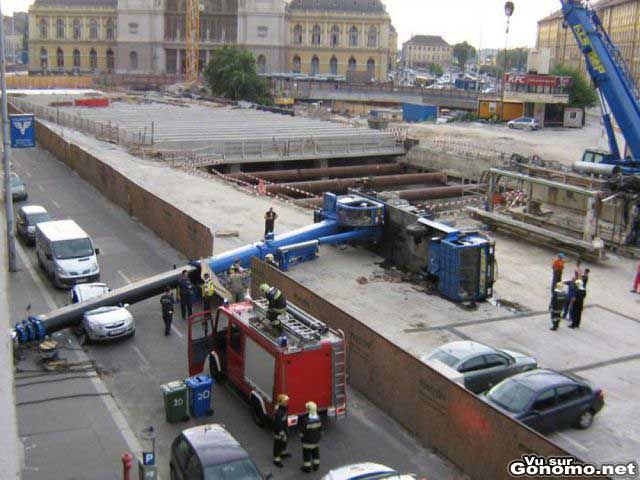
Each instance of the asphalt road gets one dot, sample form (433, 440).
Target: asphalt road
(134, 369)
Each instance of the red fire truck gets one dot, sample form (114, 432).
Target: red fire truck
(304, 358)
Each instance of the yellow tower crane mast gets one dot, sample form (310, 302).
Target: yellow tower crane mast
(192, 35)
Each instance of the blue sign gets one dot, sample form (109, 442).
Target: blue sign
(148, 458)
(23, 131)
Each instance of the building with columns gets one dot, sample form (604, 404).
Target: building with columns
(336, 37)
(262, 30)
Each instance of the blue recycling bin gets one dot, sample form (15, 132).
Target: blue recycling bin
(200, 390)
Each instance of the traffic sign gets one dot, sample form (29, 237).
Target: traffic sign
(148, 458)
(23, 131)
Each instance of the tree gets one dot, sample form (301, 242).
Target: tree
(231, 73)
(435, 69)
(463, 52)
(581, 93)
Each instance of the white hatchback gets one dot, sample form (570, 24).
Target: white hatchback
(366, 471)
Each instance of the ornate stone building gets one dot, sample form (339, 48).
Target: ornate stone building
(262, 30)
(424, 50)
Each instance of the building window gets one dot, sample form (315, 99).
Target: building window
(110, 30)
(44, 59)
(335, 36)
(43, 28)
(133, 27)
(333, 65)
(372, 38)
(316, 37)
(352, 64)
(60, 58)
(93, 59)
(133, 60)
(262, 64)
(77, 29)
(297, 35)
(76, 58)
(353, 36)
(315, 65)
(263, 31)
(296, 64)
(93, 29)
(110, 60)
(60, 28)
(371, 67)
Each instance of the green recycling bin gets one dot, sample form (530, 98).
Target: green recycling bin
(176, 405)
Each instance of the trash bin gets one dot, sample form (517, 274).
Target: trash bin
(175, 401)
(200, 388)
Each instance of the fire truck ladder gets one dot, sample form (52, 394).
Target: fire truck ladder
(340, 372)
(295, 326)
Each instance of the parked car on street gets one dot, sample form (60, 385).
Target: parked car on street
(546, 400)
(27, 217)
(482, 366)
(104, 323)
(209, 452)
(524, 123)
(18, 188)
(366, 471)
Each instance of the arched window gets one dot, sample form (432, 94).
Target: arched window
(93, 59)
(316, 36)
(353, 36)
(133, 60)
(297, 35)
(262, 64)
(77, 29)
(296, 65)
(371, 67)
(93, 29)
(110, 60)
(44, 28)
(76, 58)
(60, 28)
(60, 58)
(110, 30)
(335, 36)
(333, 65)
(352, 64)
(315, 65)
(44, 59)
(372, 38)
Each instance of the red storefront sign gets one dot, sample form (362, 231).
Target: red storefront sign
(537, 80)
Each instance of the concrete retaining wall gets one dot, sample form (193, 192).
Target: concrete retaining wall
(440, 413)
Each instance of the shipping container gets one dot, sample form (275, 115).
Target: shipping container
(412, 112)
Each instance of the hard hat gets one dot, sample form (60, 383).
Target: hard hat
(562, 255)
(579, 284)
(269, 257)
(311, 407)
(560, 287)
(283, 398)
(264, 288)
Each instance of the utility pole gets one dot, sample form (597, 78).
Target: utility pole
(6, 162)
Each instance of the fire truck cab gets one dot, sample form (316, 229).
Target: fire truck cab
(303, 358)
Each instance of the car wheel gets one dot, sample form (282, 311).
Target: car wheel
(586, 419)
(511, 126)
(257, 413)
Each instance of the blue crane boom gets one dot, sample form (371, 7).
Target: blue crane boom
(612, 78)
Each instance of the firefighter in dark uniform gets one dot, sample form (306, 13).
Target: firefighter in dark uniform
(277, 303)
(310, 432)
(558, 300)
(166, 301)
(281, 431)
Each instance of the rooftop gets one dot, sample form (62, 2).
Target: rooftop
(77, 3)
(355, 6)
(602, 4)
(429, 40)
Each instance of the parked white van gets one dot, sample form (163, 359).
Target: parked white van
(65, 253)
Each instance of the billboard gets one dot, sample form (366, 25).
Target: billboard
(22, 131)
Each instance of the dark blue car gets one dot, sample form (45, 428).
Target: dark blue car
(546, 400)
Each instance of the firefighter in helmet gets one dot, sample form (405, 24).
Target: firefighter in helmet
(310, 432)
(281, 431)
(270, 260)
(277, 303)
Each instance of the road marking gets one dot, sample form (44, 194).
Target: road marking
(56, 204)
(124, 277)
(176, 331)
(141, 355)
(112, 407)
(573, 442)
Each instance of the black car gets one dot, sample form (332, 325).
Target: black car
(547, 401)
(209, 452)
(481, 366)
(27, 218)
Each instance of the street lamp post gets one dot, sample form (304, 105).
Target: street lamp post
(509, 7)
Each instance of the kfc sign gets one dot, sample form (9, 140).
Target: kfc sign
(537, 80)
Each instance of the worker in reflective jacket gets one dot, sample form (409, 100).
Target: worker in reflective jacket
(277, 303)
(208, 290)
(310, 432)
(281, 431)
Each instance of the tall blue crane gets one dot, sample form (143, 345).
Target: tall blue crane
(618, 91)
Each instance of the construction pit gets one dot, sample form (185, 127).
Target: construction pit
(390, 303)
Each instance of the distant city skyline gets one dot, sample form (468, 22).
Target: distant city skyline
(479, 22)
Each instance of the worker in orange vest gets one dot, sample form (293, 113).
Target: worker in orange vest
(557, 268)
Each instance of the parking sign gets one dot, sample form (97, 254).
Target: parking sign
(23, 131)
(148, 458)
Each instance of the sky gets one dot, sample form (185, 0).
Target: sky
(479, 22)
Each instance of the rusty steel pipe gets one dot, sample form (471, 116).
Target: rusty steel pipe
(311, 173)
(342, 185)
(435, 192)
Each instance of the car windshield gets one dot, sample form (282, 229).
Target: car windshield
(444, 357)
(511, 395)
(36, 218)
(76, 248)
(100, 310)
(93, 291)
(238, 470)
